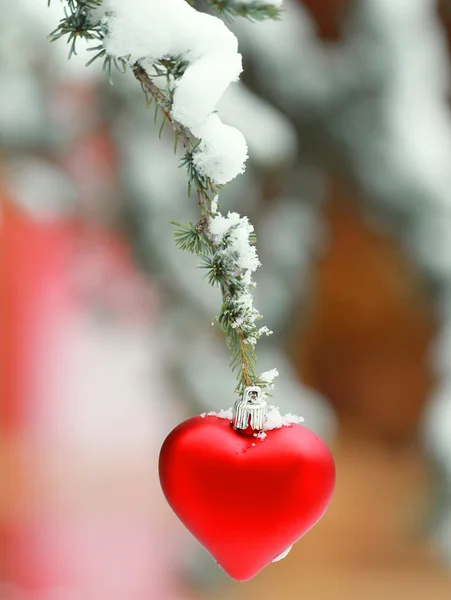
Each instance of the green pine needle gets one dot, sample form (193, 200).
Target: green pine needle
(188, 237)
(254, 11)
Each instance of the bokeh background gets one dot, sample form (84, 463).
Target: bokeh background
(105, 328)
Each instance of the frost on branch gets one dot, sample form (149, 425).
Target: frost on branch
(235, 232)
(145, 31)
(268, 378)
(232, 235)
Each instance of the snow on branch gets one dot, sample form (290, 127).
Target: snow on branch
(184, 61)
(146, 31)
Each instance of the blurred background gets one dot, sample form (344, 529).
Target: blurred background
(106, 340)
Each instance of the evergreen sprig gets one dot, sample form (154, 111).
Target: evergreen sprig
(191, 238)
(237, 318)
(254, 11)
(78, 22)
(217, 268)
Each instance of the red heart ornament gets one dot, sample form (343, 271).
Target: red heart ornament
(246, 499)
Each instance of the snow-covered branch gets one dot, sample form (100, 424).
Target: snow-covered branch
(184, 61)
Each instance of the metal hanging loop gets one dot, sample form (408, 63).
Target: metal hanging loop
(250, 411)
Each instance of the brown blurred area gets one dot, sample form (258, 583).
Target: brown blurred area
(368, 329)
(328, 16)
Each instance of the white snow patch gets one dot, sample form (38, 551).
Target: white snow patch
(222, 153)
(275, 420)
(283, 555)
(222, 414)
(214, 205)
(145, 31)
(238, 230)
(268, 377)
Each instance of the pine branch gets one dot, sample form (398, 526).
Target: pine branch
(78, 22)
(254, 11)
(152, 90)
(191, 238)
(237, 317)
(237, 338)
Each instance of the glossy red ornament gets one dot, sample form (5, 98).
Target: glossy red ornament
(245, 499)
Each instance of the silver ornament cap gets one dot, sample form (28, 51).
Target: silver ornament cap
(250, 410)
